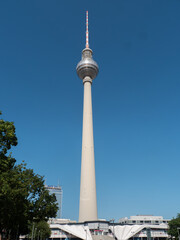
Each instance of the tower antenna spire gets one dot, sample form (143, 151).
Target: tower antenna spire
(87, 32)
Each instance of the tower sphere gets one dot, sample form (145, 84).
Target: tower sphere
(87, 67)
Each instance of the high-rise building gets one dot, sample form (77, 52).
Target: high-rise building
(57, 190)
(87, 69)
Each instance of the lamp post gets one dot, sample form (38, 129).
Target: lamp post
(86, 233)
(32, 231)
(38, 234)
(112, 220)
(35, 233)
(178, 230)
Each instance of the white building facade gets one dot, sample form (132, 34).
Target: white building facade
(104, 230)
(144, 219)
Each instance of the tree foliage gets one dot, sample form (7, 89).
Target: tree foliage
(7, 140)
(40, 230)
(23, 197)
(174, 224)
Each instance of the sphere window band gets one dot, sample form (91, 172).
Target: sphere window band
(87, 66)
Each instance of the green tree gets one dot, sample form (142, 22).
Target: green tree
(174, 224)
(40, 230)
(23, 197)
(7, 140)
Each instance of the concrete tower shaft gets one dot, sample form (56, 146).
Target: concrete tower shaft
(88, 203)
(87, 70)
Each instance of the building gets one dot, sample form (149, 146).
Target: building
(65, 229)
(143, 219)
(104, 230)
(87, 69)
(57, 190)
(92, 230)
(141, 232)
(61, 221)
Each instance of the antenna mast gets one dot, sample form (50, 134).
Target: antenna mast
(87, 32)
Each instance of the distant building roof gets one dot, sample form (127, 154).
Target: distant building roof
(53, 187)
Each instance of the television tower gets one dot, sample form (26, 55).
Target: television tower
(87, 69)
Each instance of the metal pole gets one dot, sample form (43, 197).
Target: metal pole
(112, 220)
(32, 232)
(35, 233)
(178, 230)
(113, 226)
(38, 235)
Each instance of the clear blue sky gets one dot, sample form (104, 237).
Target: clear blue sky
(136, 98)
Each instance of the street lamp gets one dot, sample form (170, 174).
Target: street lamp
(86, 233)
(32, 232)
(38, 234)
(112, 220)
(178, 230)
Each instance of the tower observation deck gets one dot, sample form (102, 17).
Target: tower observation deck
(87, 69)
